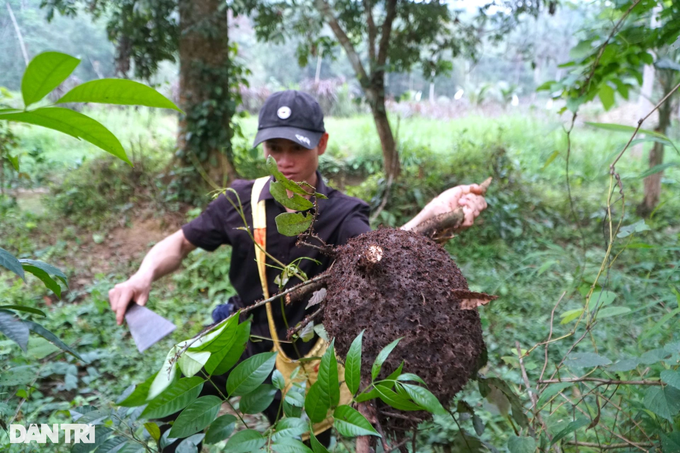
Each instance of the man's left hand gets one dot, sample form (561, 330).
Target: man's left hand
(469, 197)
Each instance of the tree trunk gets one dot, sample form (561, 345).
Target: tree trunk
(204, 139)
(652, 183)
(376, 100)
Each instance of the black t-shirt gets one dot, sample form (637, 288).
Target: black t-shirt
(340, 217)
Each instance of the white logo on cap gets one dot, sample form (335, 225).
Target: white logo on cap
(283, 112)
(303, 139)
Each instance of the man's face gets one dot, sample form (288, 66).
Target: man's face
(296, 162)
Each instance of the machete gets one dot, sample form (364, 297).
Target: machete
(146, 327)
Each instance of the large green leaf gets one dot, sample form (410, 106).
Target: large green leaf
(424, 398)
(14, 328)
(586, 360)
(293, 223)
(278, 380)
(353, 364)
(9, 261)
(52, 338)
(317, 402)
(288, 445)
(328, 375)
(246, 441)
(190, 444)
(671, 377)
(19, 375)
(657, 169)
(196, 416)
(296, 202)
(317, 446)
(47, 273)
(23, 308)
(230, 346)
(606, 95)
(220, 429)
(664, 402)
(257, 400)
(382, 356)
(118, 91)
(350, 423)
(250, 373)
(392, 398)
(191, 362)
(289, 427)
(521, 444)
(44, 73)
(167, 374)
(71, 123)
(175, 398)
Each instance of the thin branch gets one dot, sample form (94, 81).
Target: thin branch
(302, 324)
(391, 12)
(371, 33)
(552, 318)
(325, 9)
(18, 32)
(604, 447)
(601, 381)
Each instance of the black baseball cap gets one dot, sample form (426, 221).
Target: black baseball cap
(293, 115)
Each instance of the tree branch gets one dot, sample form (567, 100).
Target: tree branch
(325, 9)
(371, 33)
(391, 12)
(604, 447)
(601, 381)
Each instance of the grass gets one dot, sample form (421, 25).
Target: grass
(527, 249)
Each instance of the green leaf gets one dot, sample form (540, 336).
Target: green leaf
(664, 402)
(671, 377)
(45, 267)
(258, 400)
(74, 124)
(191, 362)
(586, 360)
(52, 338)
(289, 445)
(293, 223)
(9, 262)
(320, 330)
(626, 129)
(153, 430)
(550, 159)
(196, 416)
(250, 373)
(119, 92)
(390, 397)
(606, 95)
(478, 424)
(139, 395)
(14, 328)
(317, 446)
(570, 315)
(637, 227)
(278, 380)
(245, 441)
(657, 169)
(551, 391)
(625, 364)
(19, 375)
(601, 299)
(296, 202)
(425, 399)
(220, 429)
(670, 443)
(411, 377)
(382, 356)
(190, 444)
(273, 170)
(350, 423)
(166, 376)
(317, 403)
(521, 444)
(289, 427)
(44, 73)
(175, 398)
(570, 428)
(44, 277)
(224, 359)
(113, 444)
(612, 311)
(353, 365)
(328, 374)
(23, 308)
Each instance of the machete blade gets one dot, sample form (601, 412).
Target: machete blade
(146, 327)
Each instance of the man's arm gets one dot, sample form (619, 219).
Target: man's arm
(468, 197)
(164, 258)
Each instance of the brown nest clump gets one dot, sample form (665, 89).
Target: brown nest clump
(393, 284)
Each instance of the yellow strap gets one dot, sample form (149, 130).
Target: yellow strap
(285, 364)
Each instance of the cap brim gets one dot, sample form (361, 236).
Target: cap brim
(303, 137)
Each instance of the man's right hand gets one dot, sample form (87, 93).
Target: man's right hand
(136, 289)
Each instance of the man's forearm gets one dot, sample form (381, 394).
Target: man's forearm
(165, 257)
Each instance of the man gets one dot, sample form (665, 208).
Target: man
(292, 129)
